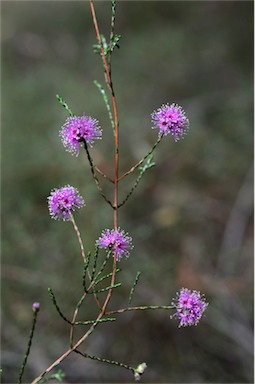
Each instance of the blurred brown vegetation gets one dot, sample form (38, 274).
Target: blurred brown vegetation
(191, 217)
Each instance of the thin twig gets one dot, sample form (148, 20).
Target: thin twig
(79, 238)
(105, 360)
(53, 299)
(83, 254)
(148, 165)
(115, 206)
(105, 98)
(142, 160)
(112, 30)
(106, 277)
(65, 105)
(75, 317)
(104, 175)
(36, 310)
(86, 270)
(92, 167)
(107, 288)
(116, 131)
(133, 287)
(70, 350)
(140, 308)
(103, 265)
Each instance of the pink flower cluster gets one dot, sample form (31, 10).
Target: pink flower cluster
(76, 130)
(117, 240)
(170, 119)
(63, 201)
(190, 307)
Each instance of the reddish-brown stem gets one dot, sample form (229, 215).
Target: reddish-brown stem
(115, 205)
(131, 170)
(70, 350)
(116, 124)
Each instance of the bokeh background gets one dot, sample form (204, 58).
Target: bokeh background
(191, 217)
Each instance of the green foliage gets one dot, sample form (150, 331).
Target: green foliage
(133, 287)
(65, 105)
(200, 54)
(59, 376)
(107, 47)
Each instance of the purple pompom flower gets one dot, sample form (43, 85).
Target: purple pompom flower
(117, 240)
(190, 307)
(170, 119)
(36, 306)
(76, 130)
(63, 201)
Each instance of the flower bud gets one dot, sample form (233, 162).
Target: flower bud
(139, 371)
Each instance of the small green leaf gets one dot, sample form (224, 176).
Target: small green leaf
(59, 376)
(107, 288)
(65, 105)
(115, 40)
(149, 163)
(96, 48)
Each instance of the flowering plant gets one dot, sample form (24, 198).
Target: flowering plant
(114, 244)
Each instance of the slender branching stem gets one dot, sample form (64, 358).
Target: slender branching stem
(104, 175)
(90, 277)
(70, 350)
(92, 167)
(79, 238)
(112, 31)
(91, 329)
(83, 254)
(28, 345)
(142, 160)
(107, 288)
(75, 317)
(139, 308)
(53, 299)
(105, 98)
(66, 106)
(148, 165)
(116, 131)
(113, 362)
(133, 287)
(103, 320)
(106, 277)
(103, 265)
(114, 206)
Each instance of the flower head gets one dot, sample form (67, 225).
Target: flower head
(117, 240)
(79, 129)
(170, 119)
(36, 306)
(190, 307)
(63, 201)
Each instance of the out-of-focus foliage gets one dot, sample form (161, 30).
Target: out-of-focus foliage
(191, 217)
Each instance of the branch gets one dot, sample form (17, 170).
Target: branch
(92, 168)
(142, 160)
(140, 308)
(36, 310)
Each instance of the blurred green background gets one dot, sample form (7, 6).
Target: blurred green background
(191, 217)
